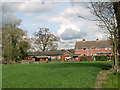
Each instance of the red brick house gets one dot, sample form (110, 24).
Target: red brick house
(91, 48)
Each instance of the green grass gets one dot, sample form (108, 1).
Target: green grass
(111, 81)
(52, 75)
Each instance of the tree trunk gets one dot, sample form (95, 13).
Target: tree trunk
(117, 14)
(116, 65)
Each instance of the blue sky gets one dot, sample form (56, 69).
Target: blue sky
(31, 23)
(60, 17)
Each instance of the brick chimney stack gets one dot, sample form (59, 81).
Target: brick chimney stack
(83, 39)
(97, 39)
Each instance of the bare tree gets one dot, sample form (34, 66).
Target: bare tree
(107, 16)
(45, 40)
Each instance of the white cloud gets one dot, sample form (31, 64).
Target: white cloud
(9, 9)
(28, 14)
(68, 20)
(67, 44)
(30, 7)
(59, 19)
(33, 25)
(27, 7)
(100, 36)
(74, 12)
(63, 27)
(70, 34)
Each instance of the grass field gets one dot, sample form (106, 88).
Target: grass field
(111, 81)
(52, 75)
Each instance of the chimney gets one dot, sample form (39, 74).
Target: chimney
(83, 39)
(97, 39)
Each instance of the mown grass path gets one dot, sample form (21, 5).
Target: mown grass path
(52, 75)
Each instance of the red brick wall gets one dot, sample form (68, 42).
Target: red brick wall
(67, 54)
(94, 51)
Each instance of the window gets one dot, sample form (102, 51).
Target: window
(107, 48)
(53, 57)
(84, 55)
(84, 49)
(77, 49)
(91, 48)
(97, 48)
(92, 54)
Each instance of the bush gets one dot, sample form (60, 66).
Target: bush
(101, 58)
(112, 58)
(84, 58)
(90, 58)
(53, 59)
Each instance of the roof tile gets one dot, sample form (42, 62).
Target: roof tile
(93, 44)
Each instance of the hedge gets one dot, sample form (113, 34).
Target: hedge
(83, 58)
(101, 58)
(53, 59)
(112, 58)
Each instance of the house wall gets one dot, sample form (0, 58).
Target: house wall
(41, 59)
(27, 58)
(56, 57)
(63, 57)
(89, 52)
(67, 54)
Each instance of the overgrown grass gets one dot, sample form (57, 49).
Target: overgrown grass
(52, 75)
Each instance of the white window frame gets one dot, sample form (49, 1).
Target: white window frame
(77, 49)
(107, 48)
(84, 54)
(97, 48)
(91, 48)
(83, 49)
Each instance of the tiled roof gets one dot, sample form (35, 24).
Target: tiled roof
(49, 53)
(93, 44)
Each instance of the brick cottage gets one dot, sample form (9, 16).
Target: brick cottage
(91, 48)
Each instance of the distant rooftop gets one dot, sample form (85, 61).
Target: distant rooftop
(49, 53)
(93, 44)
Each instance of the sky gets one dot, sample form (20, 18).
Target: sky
(60, 17)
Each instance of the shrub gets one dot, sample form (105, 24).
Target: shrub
(84, 58)
(53, 59)
(90, 58)
(112, 58)
(101, 58)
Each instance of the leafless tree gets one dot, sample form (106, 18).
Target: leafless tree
(107, 16)
(45, 40)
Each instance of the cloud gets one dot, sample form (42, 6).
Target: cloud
(36, 7)
(27, 7)
(28, 14)
(64, 26)
(70, 34)
(9, 9)
(8, 18)
(71, 28)
(74, 12)
(33, 25)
